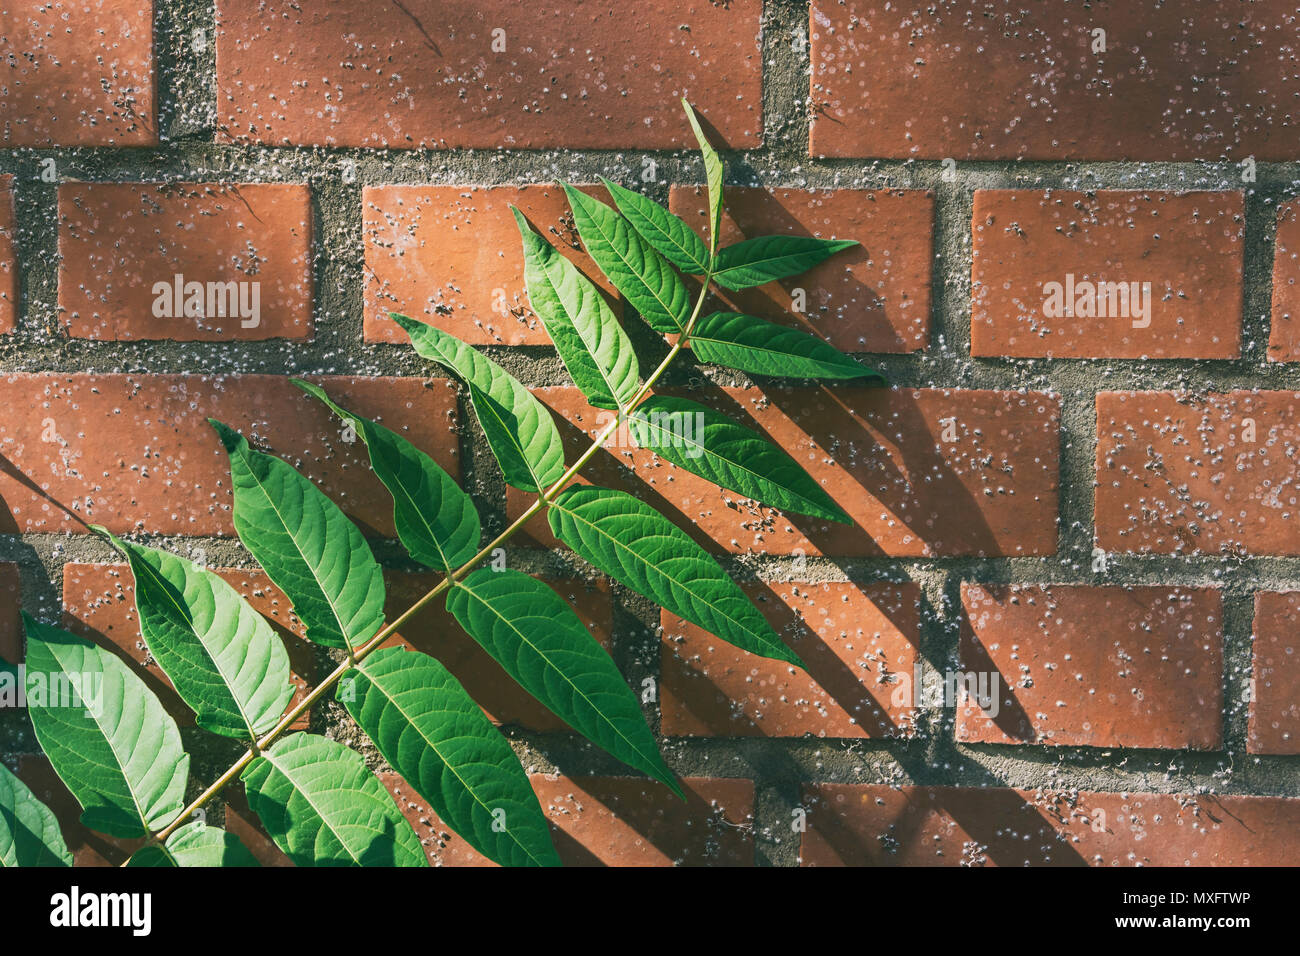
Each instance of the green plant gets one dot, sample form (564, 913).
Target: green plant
(121, 755)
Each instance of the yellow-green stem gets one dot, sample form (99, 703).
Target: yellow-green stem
(357, 655)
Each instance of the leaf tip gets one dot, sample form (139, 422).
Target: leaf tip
(230, 438)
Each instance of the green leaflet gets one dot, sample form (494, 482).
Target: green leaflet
(323, 807)
(433, 734)
(530, 450)
(591, 343)
(196, 844)
(635, 545)
(504, 434)
(764, 348)
(640, 274)
(222, 656)
(29, 834)
(436, 521)
(306, 545)
(676, 241)
(765, 258)
(728, 454)
(537, 638)
(713, 174)
(110, 740)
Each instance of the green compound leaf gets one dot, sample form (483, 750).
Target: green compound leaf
(763, 348)
(323, 807)
(765, 258)
(29, 833)
(433, 734)
(221, 656)
(640, 273)
(196, 844)
(537, 638)
(676, 241)
(709, 444)
(591, 343)
(436, 521)
(523, 437)
(635, 545)
(306, 545)
(713, 174)
(109, 739)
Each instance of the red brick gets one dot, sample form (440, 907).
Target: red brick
(615, 821)
(8, 257)
(860, 645)
(1284, 336)
(135, 452)
(424, 74)
(88, 848)
(880, 453)
(452, 256)
(1005, 80)
(870, 825)
(11, 626)
(1274, 722)
(1183, 252)
(874, 298)
(1094, 666)
(99, 604)
(116, 240)
(77, 73)
(437, 633)
(1178, 474)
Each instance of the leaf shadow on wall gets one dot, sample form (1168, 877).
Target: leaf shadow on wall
(715, 709)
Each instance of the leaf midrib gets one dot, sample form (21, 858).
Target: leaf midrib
(229, 684)
(682, 584)
(756, 476)
(650, 253)
(524, 639)
(374, 682)
(343, 630)
(592, 347)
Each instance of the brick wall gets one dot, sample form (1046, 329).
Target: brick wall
(1095, 510)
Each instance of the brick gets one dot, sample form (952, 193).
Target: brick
(1273, 726)
(1284, 335)
(11, 624)
(860, 645)
(1180, 474)
(99, 604)
(615, 821)
(1093, 666)
(77, 73)
(437, 633)
(117, 240)
(135, 452)
(1111, 274)
(88, 847)
(8, 257)
(883, 454)
(425, 74)
(452, 256)
(874, 298)
(999, 80)
(871, 825)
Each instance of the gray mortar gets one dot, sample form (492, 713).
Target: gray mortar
(778, 767)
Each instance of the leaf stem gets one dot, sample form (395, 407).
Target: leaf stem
(358, 654)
